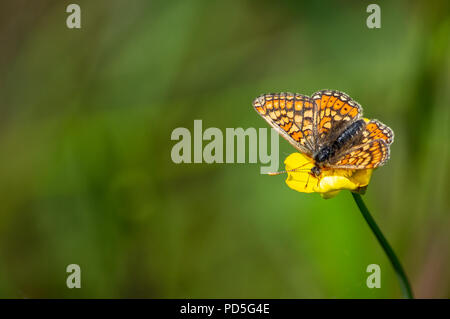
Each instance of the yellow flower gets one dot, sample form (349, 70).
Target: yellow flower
(329, 183)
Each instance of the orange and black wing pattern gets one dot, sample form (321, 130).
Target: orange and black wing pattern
(370, 155)
(292, 115)
(335, 110)
(376, 130)
(373, 150)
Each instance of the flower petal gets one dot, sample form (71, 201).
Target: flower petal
(329, 183)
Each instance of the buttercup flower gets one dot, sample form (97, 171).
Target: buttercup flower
(329, 183)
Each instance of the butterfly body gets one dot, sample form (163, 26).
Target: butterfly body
(326, 153)
(328, 127)
(348, 135)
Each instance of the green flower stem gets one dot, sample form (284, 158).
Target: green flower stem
(406, 288)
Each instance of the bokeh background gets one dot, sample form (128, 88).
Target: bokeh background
(86, 175)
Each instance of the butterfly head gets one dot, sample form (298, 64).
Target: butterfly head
(316, 171)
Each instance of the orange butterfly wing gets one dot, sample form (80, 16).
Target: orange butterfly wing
(335, 110)
(372, 152)
(292, 115)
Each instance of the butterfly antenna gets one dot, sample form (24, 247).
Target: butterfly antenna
(282, 172)
(290, 170)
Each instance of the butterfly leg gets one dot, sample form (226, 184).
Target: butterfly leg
(307, 180)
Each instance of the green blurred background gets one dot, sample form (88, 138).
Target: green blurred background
(86, 175)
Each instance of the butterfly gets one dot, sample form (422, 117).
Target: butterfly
(327, 127)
